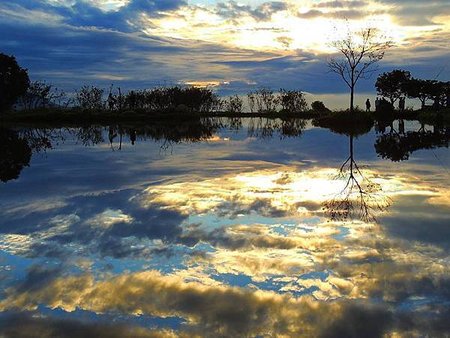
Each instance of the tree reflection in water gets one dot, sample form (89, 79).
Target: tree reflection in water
(15, 154)
(397, 145)
(265, 128)
(361, 198)
(17, 147)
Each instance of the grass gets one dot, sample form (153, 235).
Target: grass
(338, 121)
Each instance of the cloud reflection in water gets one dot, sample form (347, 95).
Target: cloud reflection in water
(243, 252)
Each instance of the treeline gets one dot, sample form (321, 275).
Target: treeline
(166, 99)
(399, 84)
(17, 89)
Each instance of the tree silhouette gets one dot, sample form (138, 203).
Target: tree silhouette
(437, 91)
(392, 85)
(14, 81)
(41, 94)
(359, 51)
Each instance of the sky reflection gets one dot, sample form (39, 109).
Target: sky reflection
(227, 236)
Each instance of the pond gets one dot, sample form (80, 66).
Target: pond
(225, 227)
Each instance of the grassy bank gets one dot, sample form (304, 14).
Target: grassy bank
(330, 119)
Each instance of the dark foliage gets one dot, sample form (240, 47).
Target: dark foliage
(392, 85)
(42, 95)
(399, 83)
(175, 99)
(319, 107)
(14, 81)
(292, 101)
(90, 98)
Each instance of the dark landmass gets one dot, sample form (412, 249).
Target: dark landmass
(58, 116)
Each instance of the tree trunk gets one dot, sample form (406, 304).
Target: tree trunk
(352, 93)
(352, 90)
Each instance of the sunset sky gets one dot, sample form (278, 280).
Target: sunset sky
(234, 46)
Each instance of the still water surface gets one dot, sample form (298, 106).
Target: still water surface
(225, 228)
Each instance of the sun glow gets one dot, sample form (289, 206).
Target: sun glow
(271, 192)
(293, 28)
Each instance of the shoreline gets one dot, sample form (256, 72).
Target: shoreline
(51, 116)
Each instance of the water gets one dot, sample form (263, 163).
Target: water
(225, 228)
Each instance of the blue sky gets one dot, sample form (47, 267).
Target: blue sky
(232, 45)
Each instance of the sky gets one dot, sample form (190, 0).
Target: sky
(232, 46)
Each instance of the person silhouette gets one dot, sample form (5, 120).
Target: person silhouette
(368, 105)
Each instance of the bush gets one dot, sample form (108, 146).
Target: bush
(41, 95)
(292, 101)
(192, 99)
(262, 100)
(90, 98)
(234, 104)
(319, 107)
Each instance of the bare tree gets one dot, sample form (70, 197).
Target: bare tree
(360, 51)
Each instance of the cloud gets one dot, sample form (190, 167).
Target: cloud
(235, 11)
(81, 13)
(340, 14)
(217, 308)
(416, 13)
(26, 325)
(341, 4)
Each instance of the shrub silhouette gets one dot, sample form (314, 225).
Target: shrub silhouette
(292, 101)
(90, 98)
(319, 107)
(233, 104)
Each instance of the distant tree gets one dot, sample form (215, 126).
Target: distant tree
(90, 98)
(420, 89)
(292, 101)
(392, 85)
(41, 94)
(359, 51)
(263, 100)
(14, 81)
